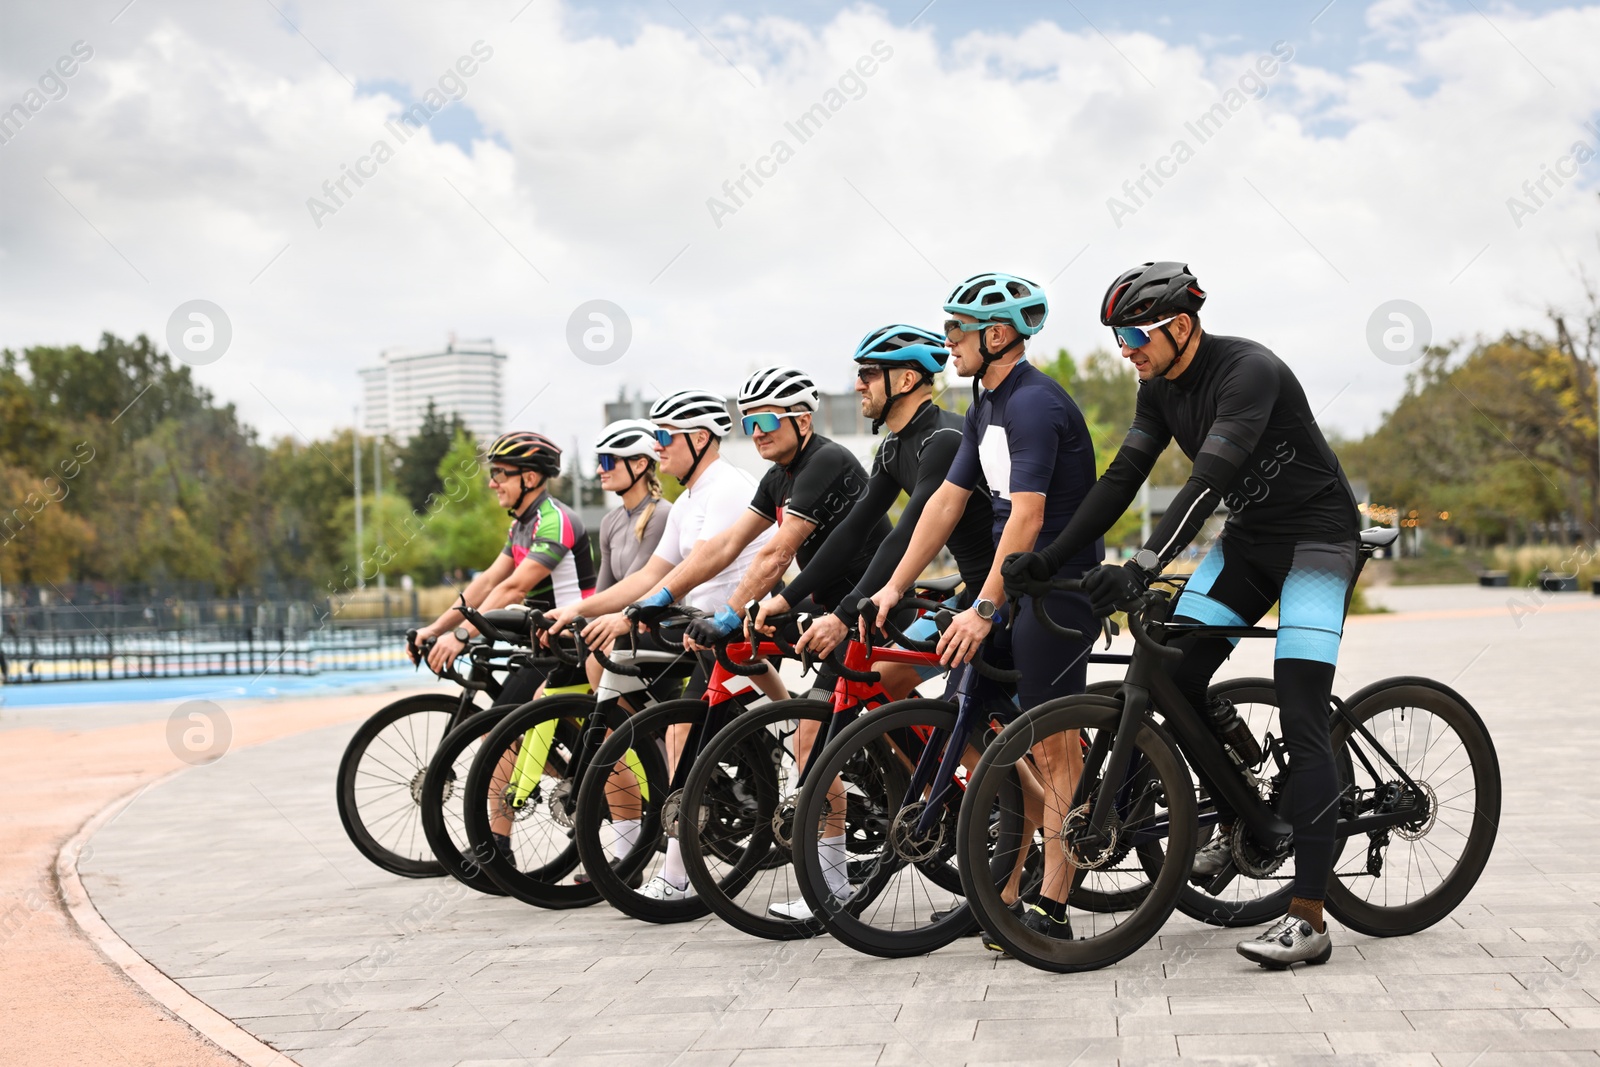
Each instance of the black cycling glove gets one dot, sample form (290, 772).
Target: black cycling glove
(1110, 588)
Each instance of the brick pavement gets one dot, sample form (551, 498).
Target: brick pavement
(236, 880)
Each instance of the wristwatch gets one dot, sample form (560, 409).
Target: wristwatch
(1147, 561)
(985, 608)
(461, 634)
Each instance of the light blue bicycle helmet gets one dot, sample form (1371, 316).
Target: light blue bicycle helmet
(921, 348)
(902, 346)
(995, 297)
(1003, 298)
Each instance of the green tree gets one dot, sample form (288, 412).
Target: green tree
(418, 470)
(464, 521)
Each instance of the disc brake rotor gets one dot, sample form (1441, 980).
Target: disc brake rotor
(1420, 830)
(903, 838)
(1084, 852)
(558, 804)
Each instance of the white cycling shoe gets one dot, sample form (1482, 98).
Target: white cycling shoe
(797, 911)
(1287, 941)
(658, 888)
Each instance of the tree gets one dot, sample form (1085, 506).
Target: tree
(418, 473)
(464, 521)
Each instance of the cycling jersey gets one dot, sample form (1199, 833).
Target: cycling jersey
(622, 551)
(1239, 413)
(720, 494)
(548, 533)
(821, 485)
(1027, 436)
(914, 460)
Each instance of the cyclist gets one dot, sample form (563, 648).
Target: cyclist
(1026, 439)
(629, 534)
(626, 455)
(546, 562)
(894, 364)
(1238, 412)
(895, 370)
(689, 428)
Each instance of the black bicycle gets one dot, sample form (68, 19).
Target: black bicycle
(519, 793)
(566, 691)
(1419, 800)
(379, 783)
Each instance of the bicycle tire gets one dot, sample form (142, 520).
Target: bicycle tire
(736, 847)
(1358, 911)
(542, 839)
(641, 738)
(442, 800)
(1108, 941)
(909, 927)
(378, 785)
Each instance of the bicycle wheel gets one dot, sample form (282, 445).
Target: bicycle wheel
(519, 785)
(1411, 876)
(630, 775)
(905, 895)
(380, 783)
(1155, 816)
(1232, 898)
(442, 796)
(737, 818)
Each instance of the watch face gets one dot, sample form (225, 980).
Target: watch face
(984, 608)
(461, 634)
(1148, 560)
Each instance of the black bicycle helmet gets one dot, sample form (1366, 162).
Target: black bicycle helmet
(1149, 292)
(527, 451)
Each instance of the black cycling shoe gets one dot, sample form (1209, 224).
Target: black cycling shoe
(1016, 908)
(1035, 919)
(502, 845)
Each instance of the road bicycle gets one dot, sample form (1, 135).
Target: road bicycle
(655, 795)
(379, 782)
(521, 776)
(443, 798)
(1417, 811)
(742, 867)
(905, 894)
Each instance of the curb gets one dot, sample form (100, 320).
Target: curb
(211, 1025)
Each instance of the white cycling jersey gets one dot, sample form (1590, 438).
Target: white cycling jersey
(719, 497)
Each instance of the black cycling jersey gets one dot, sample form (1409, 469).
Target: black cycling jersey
(821, 486)
(914, 460)
(1239, 413)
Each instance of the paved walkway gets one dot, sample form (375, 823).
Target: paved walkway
(236, 879)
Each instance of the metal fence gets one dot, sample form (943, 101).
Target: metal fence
(175, 637)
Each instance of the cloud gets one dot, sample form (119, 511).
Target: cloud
(192, 141)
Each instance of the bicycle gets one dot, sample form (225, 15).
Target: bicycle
(378, 786)
(1137, 795)
(442, 797)
(742, 867)
(907, 898)
(528, 769)
(644, 740)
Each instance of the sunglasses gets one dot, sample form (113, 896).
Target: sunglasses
(953, 329)
(1138, 336)
(664, 437)
(767, 421)
(500, 474)
(868, 372)
(608, 463)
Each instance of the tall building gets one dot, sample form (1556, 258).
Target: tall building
(463, 377)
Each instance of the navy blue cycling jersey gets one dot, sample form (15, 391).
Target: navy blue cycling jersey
(1027, 436)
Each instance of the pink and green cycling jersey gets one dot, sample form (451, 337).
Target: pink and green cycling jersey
(552, 536)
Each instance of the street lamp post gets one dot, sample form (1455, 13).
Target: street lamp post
(355, 445)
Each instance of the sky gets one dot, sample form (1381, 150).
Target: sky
(1353, 156)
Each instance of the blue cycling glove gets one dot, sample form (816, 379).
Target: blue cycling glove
(651, 607)
(710, 631)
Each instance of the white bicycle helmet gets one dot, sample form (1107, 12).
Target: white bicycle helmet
(693, 409)
(782, 387)
(627, 438)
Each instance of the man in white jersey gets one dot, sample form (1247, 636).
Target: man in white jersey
(716, 495)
